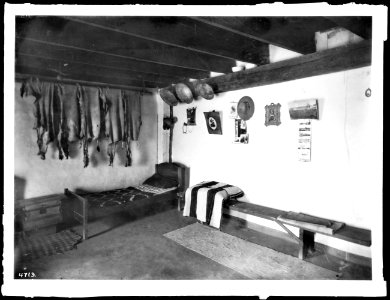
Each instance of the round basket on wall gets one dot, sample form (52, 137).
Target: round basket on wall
(204, 90)
(184, 92)
(168, 96)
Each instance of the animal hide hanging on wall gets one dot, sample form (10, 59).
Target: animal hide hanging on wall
(66, 113)
(48, 113)
(132, 121)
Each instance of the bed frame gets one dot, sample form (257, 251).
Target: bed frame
(80, 210)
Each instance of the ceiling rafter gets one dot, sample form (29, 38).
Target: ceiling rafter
(105, 53)
(86, 64)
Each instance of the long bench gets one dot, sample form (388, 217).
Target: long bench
(306, 237)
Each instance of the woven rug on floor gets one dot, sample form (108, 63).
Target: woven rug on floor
(36, 247)
(246, 258)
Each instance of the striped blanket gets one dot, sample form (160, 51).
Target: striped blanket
(204, 201)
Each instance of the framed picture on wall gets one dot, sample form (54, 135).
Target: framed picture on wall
(213, 122)
(191, 116)
(272, 114)
(241, 132)
(304, 109)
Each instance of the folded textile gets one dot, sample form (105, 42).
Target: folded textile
(204, 201)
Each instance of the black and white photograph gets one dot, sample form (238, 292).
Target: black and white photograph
(113, 188)
(241, 132)
(304, 109)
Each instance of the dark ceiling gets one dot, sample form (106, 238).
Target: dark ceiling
(153, 52)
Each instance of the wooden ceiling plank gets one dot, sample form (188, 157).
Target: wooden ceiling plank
(91, 78)
(324, 62)
(184, 33)
(359, 25)
(59, 53)
(71, 65)
(73, 36)
(23, 76)
(87, 72)
(292, 33)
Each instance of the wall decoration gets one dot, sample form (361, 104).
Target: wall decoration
(204, 90)
(304, 109)
(184, 92)
(213, 122)
(304, 141)
(272, 114)
(233, 110)
(191, 116)
(245, 108)
(241, 132)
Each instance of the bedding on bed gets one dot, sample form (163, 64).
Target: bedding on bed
(204, 201)
(123, 196)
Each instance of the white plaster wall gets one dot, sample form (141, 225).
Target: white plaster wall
(343, 180)
(43, 177)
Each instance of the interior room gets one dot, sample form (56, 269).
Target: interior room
(180, 147)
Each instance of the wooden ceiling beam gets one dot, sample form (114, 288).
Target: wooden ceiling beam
(37, 49)
(69, 34)
(107, 79)
(328, 61)
(184, 33)
(76, 66)
(23, 76)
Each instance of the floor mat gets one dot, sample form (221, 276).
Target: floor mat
(251, 260)
(36, 247)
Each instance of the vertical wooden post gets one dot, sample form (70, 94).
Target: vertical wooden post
(307, 238)
(170, 134)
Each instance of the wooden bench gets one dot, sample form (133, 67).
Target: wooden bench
(306, 237)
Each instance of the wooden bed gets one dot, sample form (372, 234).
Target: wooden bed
(84, 206)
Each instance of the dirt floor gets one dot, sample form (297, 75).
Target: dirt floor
(131, 245)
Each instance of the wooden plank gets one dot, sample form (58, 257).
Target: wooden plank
(349, 233)
(55, 52)
(71, 35)
(42, 212)
(184, 33)
(293, 33)
(103, 80)
(257, 210)
(355, 235)
(42, 222)
(69, 66)
(48, 66)
(320, 63)
(34, 203)
(20, 76)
